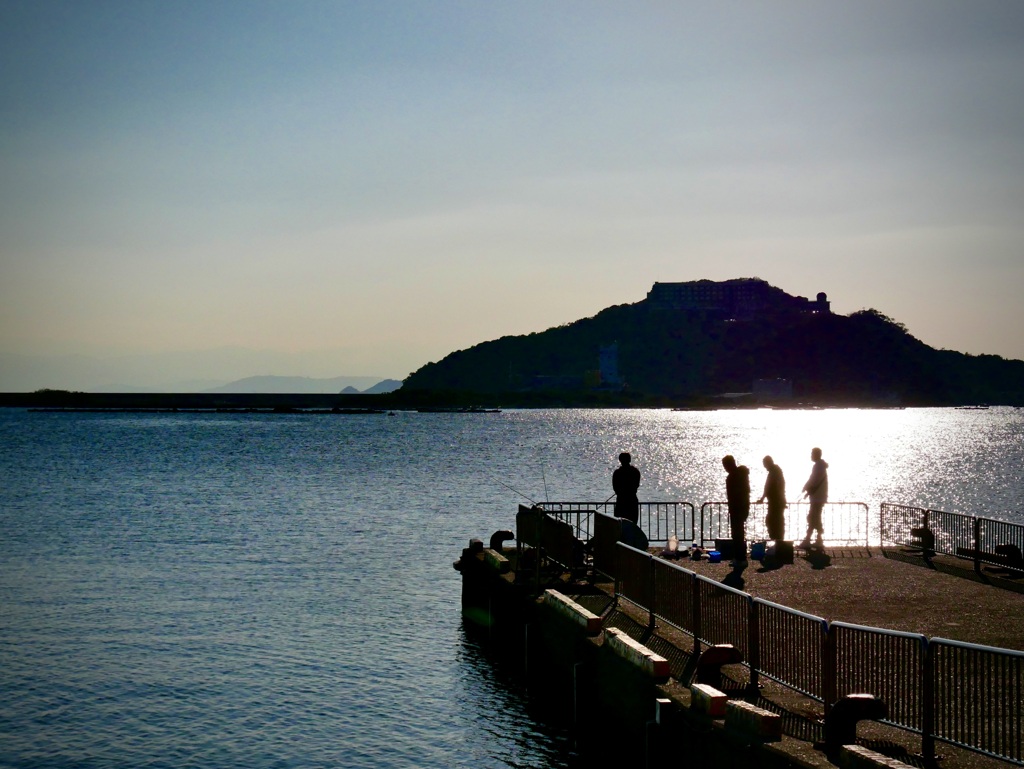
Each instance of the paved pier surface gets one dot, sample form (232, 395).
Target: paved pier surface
(889, 589)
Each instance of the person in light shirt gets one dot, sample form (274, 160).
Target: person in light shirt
(775, 493)
(816, 490)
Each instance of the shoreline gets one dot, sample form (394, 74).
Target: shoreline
(61, 400)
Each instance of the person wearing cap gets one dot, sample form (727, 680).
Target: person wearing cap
(775, 493)
(737, 495)
(816, 490)
(625, 482)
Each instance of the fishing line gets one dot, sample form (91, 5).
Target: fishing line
(515, 491)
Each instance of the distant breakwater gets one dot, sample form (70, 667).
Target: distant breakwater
(415, 399)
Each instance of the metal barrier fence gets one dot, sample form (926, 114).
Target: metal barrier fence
(674, 599)
(798, 662)
(962, 694)
(633, 576)
(978, 697)
(723, 615)
(991, 535)
(579, 515)
(953, 530)
(982, 540)
(845, 523)
(659, 520)
(886, 663)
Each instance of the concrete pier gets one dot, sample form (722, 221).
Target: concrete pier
(625, 681)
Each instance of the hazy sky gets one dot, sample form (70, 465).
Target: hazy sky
(368, 186)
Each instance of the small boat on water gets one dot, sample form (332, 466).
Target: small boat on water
(464, 410)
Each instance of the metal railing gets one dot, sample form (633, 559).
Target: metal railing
(553, 540)
(658, 520)
(886, 663)
(947, 691)
(723, 615)
(845, 523)
(674, 599)
(991, 535)
(955, 534)
(633, 576)
(799, 662)
(977, 698)
(962, 694)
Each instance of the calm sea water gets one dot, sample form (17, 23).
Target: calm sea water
(205, 590)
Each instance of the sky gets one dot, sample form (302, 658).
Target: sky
(244, 187)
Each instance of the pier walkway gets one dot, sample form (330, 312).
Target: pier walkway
(889, 589)
(937, 642)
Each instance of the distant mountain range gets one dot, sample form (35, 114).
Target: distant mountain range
(307, 385)
(217, 370)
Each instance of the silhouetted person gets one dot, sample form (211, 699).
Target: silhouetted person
(816, 490)
(775, 493)
(737, 494)
(625, 482)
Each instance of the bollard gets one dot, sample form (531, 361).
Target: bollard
(841, 720)
(709, 664)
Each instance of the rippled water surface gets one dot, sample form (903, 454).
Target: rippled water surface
(207, 590)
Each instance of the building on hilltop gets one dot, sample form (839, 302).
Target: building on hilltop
(739, 299)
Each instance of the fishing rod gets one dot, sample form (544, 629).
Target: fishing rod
(514, 491)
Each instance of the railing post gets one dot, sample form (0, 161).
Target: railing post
(977, 545)
(650, 593)
(754, 643)
(928, 706)
(695, 605)
(538, 550)
(829, 668)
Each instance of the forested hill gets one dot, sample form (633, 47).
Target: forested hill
(686, 355)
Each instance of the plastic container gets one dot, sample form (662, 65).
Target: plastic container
(715, 557)
(757, 551)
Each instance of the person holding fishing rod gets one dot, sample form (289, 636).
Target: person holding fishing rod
(625, 482)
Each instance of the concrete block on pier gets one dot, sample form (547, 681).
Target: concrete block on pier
(496, 561)
(635, 652)
(859, 757)
(752, 721)
(706, 699)
(569, 608)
